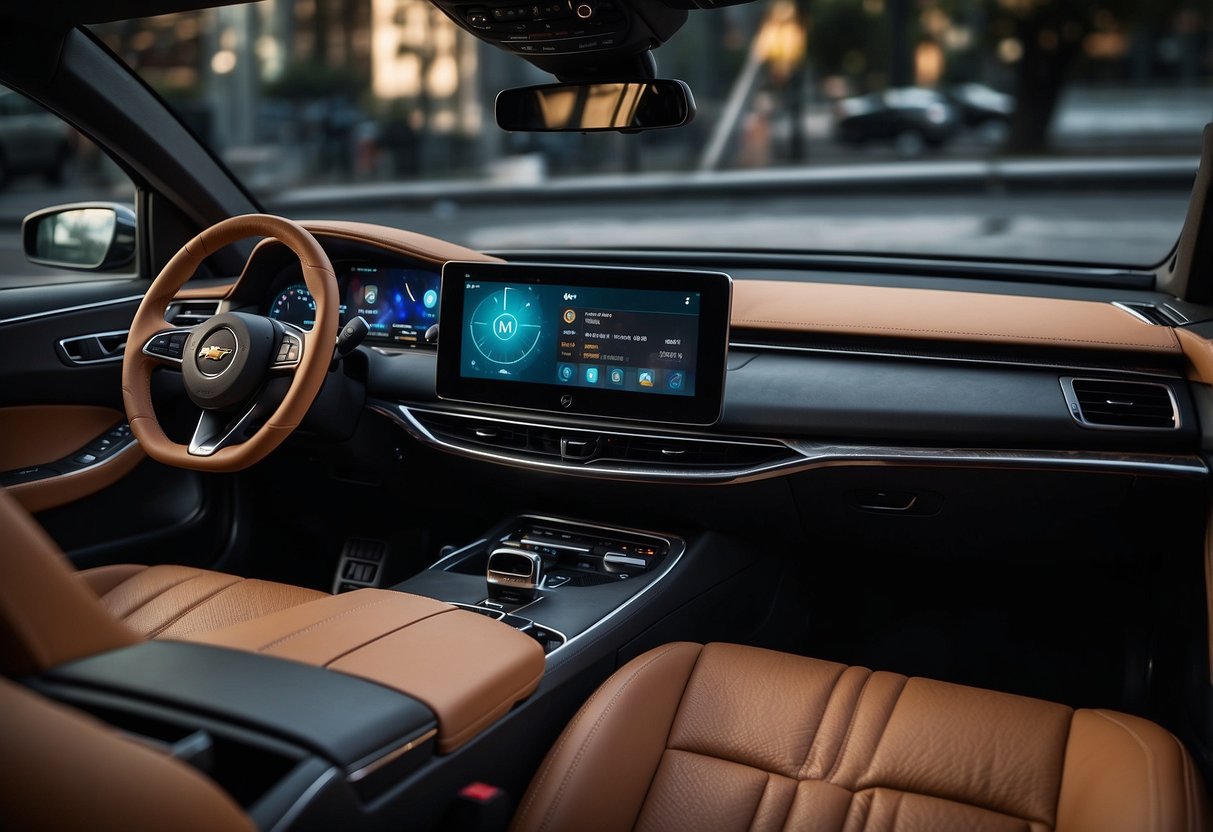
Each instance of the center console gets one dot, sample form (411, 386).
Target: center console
(555, 579)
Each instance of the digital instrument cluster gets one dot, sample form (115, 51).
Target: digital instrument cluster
(399, 304)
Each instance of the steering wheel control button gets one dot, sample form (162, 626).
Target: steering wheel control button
(289, 351)
(170, 344)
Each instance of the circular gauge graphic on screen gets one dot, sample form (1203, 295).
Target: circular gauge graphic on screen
(505, 325)
(295, 306)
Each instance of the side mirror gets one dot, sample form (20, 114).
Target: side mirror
(625, 106)
(89, 236)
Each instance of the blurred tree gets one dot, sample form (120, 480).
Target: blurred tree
(1043, 38)
(1040, 39)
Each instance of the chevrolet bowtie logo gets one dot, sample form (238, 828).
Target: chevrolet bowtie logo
(213, 353)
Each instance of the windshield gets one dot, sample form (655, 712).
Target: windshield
(1057, 130)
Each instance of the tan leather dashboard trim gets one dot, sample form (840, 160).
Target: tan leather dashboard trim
(40, 495)
(38, 434)
(430, 250)
(935, 314)
(468, 669)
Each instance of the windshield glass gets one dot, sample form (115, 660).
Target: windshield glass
(1048, 130)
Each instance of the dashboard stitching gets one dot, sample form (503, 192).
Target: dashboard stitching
(1013, 336)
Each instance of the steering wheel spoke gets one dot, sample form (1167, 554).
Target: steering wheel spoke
(217, 429)
(168, 345)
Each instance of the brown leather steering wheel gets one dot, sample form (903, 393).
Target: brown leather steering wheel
(252, 377)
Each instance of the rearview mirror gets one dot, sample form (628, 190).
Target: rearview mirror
(89, 236)
(627, 106)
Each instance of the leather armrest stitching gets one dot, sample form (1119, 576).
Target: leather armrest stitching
(379, 637)
(1151, 779)
(1174, 347)
(568, 732)
(193, 607)
(296, 633)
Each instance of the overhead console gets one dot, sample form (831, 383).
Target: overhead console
(638, 344)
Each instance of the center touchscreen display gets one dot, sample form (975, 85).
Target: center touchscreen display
(633, 343)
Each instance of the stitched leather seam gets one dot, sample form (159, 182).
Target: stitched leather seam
(184, 580)
(1065, 747)
(315, 624)
(1151, 781)
(568, 775)
(193, 607)
(905, 680)
(846, 738)
(821, 719)
(670, 729)
(1173, 347)
(381, 636)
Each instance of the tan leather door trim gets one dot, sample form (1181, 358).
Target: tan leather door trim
(38, 434)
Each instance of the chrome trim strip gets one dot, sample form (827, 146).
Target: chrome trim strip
(66, 309)
(823, 455)
(373, 766)
(1075, 408)
(810, 455)
(1134, 310)
(411, 424)
(995, 362)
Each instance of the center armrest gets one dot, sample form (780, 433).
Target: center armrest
(469, 669)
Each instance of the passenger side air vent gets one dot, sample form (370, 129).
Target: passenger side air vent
(1121, 405)
(191, 312)
(1152, 313)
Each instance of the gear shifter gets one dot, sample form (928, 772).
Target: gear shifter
(514, 575)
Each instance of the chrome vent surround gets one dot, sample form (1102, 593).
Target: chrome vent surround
(1112, 404)
(185, 313)
(605, 451)
(1152, 313)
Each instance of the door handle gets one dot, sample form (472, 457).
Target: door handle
(97, 348)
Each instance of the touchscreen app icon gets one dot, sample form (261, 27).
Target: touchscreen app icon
(675, 379)
(569, 316)
(566, 372)
(615, 376)
(430, 298)
(370, 294)
(591, 375)
(646, 378)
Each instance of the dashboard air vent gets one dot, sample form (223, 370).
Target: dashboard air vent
(191, 312)
(1121, 405)
(599, 449)
(1151, 313)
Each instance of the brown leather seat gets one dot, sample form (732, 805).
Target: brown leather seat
(178, 601)
(725, 737)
